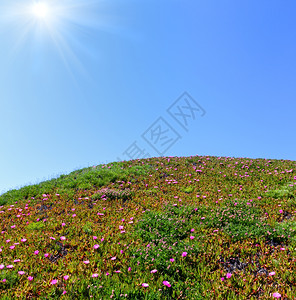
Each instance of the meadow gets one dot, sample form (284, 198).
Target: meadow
(197, 227)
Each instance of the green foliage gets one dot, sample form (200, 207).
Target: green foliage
(188, 189)
(12, 279)
(36, 226)
(87, 228)
(84, 179)
(240, 219)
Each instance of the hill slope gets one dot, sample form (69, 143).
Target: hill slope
(160, 228)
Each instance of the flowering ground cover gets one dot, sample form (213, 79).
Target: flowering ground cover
(161, 228)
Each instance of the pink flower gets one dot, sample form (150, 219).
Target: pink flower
(228, 275)
(184, 254)
(153, 271)
(166, 283)
(1, 267)
(74, 215)
(36, 252)
(120, 227)
(145, 284)
(86, 262)
(23, 240)
(9, 266)
(95, 237)
(172, 260)
(30, 278)
(113, 258)
(276, 295)
(129, 269)
(222, 278)
(54, 282)
(21, 272)
(107, 273)
(117, 271)
(95, 275)
(63, 238)
(96, 246)
(192, 230)
(66, 277)
(46, 254)
(4, 280)
(280, 211)
(271, 273)
(191, 237)
(283, 249)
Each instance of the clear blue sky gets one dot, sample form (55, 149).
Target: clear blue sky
(80, 86)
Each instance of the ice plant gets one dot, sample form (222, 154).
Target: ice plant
(166, 283)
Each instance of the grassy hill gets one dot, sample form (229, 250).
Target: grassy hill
(160, 228)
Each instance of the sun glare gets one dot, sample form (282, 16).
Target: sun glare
(40, 10)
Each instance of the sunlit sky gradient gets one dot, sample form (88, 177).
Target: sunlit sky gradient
(79, 87)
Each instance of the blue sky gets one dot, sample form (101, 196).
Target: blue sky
(79, 87)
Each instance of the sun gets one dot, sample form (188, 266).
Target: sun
(41, 10)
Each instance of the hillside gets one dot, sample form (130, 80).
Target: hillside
(196, 227)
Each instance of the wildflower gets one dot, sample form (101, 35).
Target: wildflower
(63, 238)
(107, 274)
(21, 272)
(66, 277)
(276, 295)
(46, 254)
(129, 269)
(117, 271)
(113, 258)
(54, 282)
(184, 254)
(172, 260)
(30, 278)
(95, 275)
(145, 284)
(96, 246)
(4, 280)
(166, 283)
(120, 227)
(36, 252)
(153, 271)
(191, 237)
(192, 230)
(271, 273)
(222, 278)
(86, 262)
(280, 211)
(23, 240)
(228, 275)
